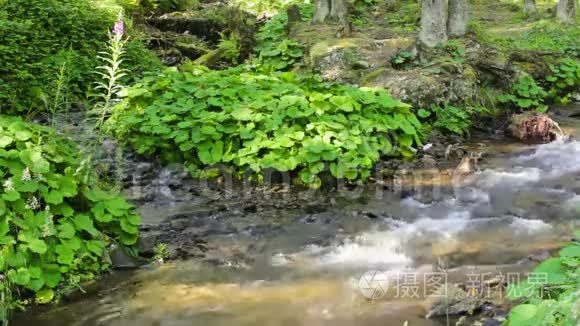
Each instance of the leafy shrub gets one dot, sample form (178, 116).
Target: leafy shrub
(526, 95)
(456, 50)
(452, 119)
(38, 36)
(55, 225)
(402, 59)
(554, 302)
(565, 79)
(255, 121)
(230, 47)
(275, 51)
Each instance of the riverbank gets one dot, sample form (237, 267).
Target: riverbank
(291, 250)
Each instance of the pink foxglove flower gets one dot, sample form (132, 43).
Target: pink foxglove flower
(119, 28)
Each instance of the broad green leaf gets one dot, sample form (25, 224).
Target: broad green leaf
(96, 246)
(571, 251)
(65, 255)
(554, 270)
(11, 195)
(128, 227)
(84, 222)
(34, 160)
(44, 296)
(134, 219)
(5, 140)
(20, 276)
(54, 197)
(523, 315)
(243, 114)
(67, 230)
(128, 239)
(52, 276)
(37, 246)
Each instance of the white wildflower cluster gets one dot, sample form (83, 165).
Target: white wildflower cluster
(48, 227)
(8, 185)
(32, 203)
(26, 176)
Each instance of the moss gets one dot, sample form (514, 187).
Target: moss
(374, 74)
(324, 47)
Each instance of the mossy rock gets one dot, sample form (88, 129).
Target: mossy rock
(423, 87)
(532, 62)
(349, 59)
(493, 66)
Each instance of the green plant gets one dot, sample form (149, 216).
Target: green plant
(248, 121)
(526, 95)
(111, 73)
(55, 226)
(452, 119)
(57, 103)
(554, 297)
(402, 59)
(275, 51)
(230, 47)
(564, 80)
(161, 253)
(456, 50)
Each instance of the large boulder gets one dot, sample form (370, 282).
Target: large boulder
(442, 82)
(349, 59)
(494, 67)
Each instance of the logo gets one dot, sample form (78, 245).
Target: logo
(373, 284)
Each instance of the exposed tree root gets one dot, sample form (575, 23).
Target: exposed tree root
(535, 128)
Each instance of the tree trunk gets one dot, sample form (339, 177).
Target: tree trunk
(336, 10)
(433, 22)
(339, 11)
(530, 7)
(566, 11)
(458, 17)
(322, 10)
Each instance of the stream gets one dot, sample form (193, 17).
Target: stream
(305, 264)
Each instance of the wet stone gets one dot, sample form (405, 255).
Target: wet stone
(120, 259)
(314, 208)
(147, 243)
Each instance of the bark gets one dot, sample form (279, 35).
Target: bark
(566, 11)
(322, 11)
(293, 17)
(530, 6)
(339, 11)
(458, 17)
(433, 22)
(336, 10)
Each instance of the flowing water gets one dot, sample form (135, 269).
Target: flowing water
(304, 268)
